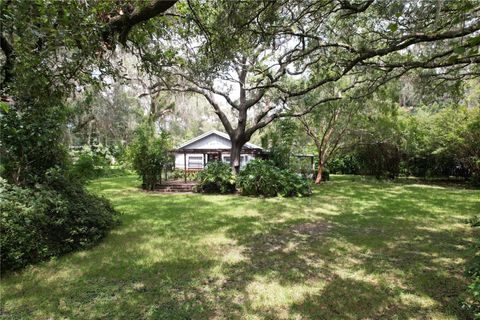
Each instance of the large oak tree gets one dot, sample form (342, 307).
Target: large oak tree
(252, 59)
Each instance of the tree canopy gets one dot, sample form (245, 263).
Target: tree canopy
(256, 58)
(253, 61)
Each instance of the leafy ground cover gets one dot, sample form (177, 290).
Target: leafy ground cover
(355, 249)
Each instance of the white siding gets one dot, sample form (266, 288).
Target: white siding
(212, 141)
(179, 163)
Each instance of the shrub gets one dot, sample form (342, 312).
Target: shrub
(326, 174)
(381, 160)
(262, 178)
(344, 164)
(149, 155)
(179, 174)
(475, 180)
(217, 177)
(89, 165)
(49, 219)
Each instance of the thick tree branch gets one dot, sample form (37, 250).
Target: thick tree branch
(123, 23)
(403, 43)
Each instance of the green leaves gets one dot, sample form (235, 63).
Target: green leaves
(459, 50)
(263, 178)
(4, 106)
(217, 177)
(475, 41)
(149, 154)
(393, 27)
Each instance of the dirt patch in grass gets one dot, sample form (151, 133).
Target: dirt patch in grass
(289, 238)
(317, 228)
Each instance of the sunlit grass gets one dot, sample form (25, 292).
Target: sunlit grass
(356, 249)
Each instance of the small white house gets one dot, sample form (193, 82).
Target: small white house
(214, 145)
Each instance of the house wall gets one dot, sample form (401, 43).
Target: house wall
(212, 141)
(179, 159)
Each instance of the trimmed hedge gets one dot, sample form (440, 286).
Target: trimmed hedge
(263, 178)
(49, 219)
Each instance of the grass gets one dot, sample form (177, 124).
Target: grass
(357, 249)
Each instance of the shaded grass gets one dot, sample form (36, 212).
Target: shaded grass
(355, 249)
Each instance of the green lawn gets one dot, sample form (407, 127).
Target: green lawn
(356, 249)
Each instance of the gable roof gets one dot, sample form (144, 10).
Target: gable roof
(247, 145)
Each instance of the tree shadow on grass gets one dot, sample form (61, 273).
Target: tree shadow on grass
(361, 250)
(395, 235)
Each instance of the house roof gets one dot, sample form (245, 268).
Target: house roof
(247, 145)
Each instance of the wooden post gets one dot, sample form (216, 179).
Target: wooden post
(313, 166)
(185, 166)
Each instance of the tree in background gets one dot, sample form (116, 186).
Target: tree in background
(252, 58)
(378, 138)
(451, 142)
(281, 140)
(149, 154)
(59, 48)
(108, 116)
(328, 127)
(423, 138)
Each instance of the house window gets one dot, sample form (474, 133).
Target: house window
(243, 160)
(195, 162)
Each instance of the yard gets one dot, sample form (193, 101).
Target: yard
(355, 249)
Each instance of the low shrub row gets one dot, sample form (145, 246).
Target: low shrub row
(258, 178)
(179, 174)
(216, 178)
(262, 178)
(49, 219)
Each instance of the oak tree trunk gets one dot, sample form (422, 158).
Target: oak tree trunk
(235, 156)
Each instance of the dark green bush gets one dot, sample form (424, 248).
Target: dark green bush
(89, 165)
(262, 178)
(217, 177)
(149, 155)
(344, 164)
(475, 180)
(326, 174)
(49, 219)
(381, 160)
